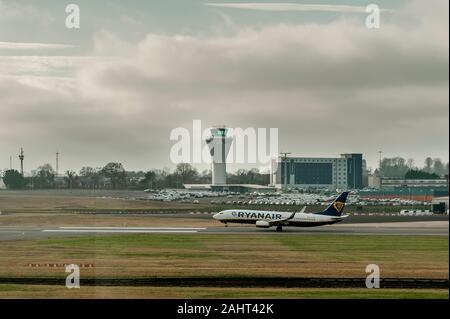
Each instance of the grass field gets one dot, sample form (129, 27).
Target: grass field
(29, 291)
(26, 202)
(164, 255)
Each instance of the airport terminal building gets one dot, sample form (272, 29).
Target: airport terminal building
(345, 172)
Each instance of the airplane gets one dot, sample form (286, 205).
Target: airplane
(266, 219)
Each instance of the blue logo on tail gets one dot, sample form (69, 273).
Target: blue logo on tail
(336, 207)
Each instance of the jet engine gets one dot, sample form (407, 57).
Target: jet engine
(262, 224)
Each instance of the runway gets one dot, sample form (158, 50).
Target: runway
(430, 228)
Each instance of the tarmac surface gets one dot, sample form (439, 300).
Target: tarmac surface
(426, 228)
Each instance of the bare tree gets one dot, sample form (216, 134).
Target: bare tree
(187, 173)
(70, 178)
(410, 163)
(149, 179)
(44, 177)
(116, 173)
(438, 167)
(428, 165)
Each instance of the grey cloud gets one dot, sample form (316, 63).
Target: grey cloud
(33, 46)
(293, 7)
(329, 88)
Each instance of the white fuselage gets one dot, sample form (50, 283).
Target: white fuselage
(271, 218)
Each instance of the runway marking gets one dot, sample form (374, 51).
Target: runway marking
(126, 230)
(134, 231)
(134, 228)
(12, 231)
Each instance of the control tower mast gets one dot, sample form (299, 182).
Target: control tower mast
(219, 146)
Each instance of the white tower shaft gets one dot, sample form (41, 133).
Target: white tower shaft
(219, 146)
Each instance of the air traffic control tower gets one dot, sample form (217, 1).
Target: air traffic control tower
(219, 145)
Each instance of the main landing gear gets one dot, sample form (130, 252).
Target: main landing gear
(279, 228)
(226, 225)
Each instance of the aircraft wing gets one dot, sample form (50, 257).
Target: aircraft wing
(281, 221)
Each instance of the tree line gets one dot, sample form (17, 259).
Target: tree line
(406, 168)
(114, 176)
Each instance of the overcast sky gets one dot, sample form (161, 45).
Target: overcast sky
(115, 88)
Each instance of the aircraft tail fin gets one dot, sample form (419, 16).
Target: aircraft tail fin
(336, 207)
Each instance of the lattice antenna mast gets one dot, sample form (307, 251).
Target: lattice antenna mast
(21, 157)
